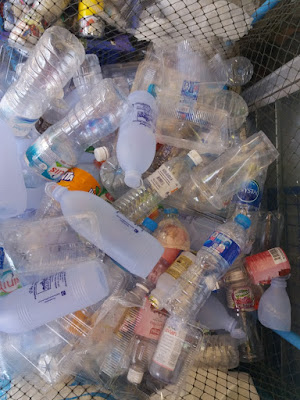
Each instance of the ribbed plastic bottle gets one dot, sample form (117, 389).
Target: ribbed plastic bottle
(88, 74)
(59, 148)
(137, 204)
(53, 297)
(49, 67)
(213, 260)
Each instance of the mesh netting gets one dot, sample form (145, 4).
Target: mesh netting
(272, 43)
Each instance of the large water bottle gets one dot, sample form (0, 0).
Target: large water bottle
(137, 204)
(88, 74)
(49, 67)
(59, 148)
(136, 142)
(221, 249)
(53, 297)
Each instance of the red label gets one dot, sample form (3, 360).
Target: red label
(150, 322)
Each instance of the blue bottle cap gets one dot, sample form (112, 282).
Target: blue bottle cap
(243, 220)
(150, 224)
(170, 210)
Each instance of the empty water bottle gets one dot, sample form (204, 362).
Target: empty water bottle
(112, 176)
(88, 74)
(49, 67)
(59, 148)
(239, 71)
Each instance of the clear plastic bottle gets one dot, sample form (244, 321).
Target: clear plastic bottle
(59, 148)
(166, 153)
(167, 280)
(88, 74)
(221, 249)
(137, 204)
(49, 67)
(136, 143)
(112, 177)
(239, 71)
(103, 153)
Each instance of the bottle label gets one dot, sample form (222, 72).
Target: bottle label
(2, 255)
(277, 255)
(143, 114)
(89, 7)
(249, 193)
(169, 347)
(220, 244)
(164, 182)
(150, 322)
(8, 282)
(243, 298)
(49, 289)
(179, 266)
(188, 99)
(79, 179)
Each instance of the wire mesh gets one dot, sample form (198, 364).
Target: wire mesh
(122, 30)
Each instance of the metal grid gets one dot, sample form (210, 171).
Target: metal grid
(273, 46)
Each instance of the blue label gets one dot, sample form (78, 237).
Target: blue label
(249, 193)
(218, 243)
(2, 255)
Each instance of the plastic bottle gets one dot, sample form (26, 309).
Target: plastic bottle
(51, 64)
(165, 153)
(274, 310)
(137, 204)
(112, 177)
(247, 201)
(221, 249)
(33, 22)
(217, 352)
(97, 115)
(13, 195)
(90, 24)
(239, 71)
(147, 329)
(136, 143)
(110, 231)
(214, 316)
(53, 297)
(166, 281)
(103, 153)
(88, 74)
(172, 350)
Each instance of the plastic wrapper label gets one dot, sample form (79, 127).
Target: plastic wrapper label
(164, 182)
(218, 243)
(277, 255)
(8, 282)
(188, 98)
(243, 298)
(49, 288)
(78, 179)
(179, 266)
(169, 347)
(250, 194)
(150, 322)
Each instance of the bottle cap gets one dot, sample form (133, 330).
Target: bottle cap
(170, 210)
(101, 153)
(195, 157)
(134, 376)
(243, 220)
(150, 224)
(133, 179)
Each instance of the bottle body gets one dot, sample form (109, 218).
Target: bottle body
(136, 143)
(112, 177)
(137, 204)
(47, 70)
(53, 297)
(59, 148)
(88, 74)
(239, 70)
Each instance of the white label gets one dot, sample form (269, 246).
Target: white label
(164, 182)
(50, 288)
(169, 347)
(277, 255)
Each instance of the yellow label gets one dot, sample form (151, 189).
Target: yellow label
(78, 179)
(180, 265)
(89, 7)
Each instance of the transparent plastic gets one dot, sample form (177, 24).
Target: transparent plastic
(240, 71)
(112, 177)
(88, 75)
(137, 204)
(49, 67)
(59, 148)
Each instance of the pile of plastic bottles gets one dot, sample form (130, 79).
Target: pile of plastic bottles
(131, 229)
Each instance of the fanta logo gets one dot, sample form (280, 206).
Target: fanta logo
(68, 176)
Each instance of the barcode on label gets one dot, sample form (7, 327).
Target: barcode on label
(164, 182)
(277, 255)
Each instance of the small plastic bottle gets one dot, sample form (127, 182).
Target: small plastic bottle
(112, 177)
(49, 67)
(136, 143)
(239, 71)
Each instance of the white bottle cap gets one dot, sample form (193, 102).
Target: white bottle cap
(195, 157)
(134, 376)
(133, 179)
(101, 153)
